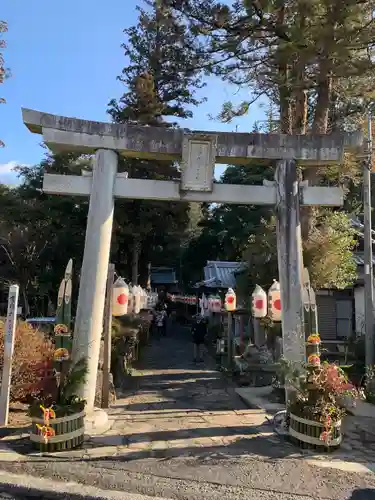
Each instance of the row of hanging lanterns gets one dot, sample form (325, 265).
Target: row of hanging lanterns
(127, 299)
(264, 304)
(213, 303)
(184, 299)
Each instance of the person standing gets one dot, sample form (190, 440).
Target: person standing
(199, 332)
(160, 319)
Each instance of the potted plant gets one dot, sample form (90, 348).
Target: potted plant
(57, 415)
(314, 410)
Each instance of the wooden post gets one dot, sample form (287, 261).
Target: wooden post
(306, 303)
(148, 286)
(289, 252)
(259, 333)
(10, 330)
(107, 328)
(313, 312)
(230, 341)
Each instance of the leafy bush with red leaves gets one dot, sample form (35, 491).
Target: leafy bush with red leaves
(32, 362)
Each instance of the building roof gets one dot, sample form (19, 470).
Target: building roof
(163, 276)
(220, 274)
(359, 259)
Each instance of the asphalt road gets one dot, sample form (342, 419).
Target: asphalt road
(204, 478)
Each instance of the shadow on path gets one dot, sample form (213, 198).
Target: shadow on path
(363, 494)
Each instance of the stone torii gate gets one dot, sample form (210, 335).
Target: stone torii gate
(199, 151)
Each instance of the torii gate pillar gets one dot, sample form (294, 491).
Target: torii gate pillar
(92, 286)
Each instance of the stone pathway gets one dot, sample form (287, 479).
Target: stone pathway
(176, 408)
(179, 408)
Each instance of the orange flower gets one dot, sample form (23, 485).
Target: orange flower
(48, 413)
(46, 432)
(61, 329)
(61, 354)
(324, 436)
(314, 338)
(314, 359)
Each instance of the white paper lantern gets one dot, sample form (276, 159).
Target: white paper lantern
(120, 298)
(137, 299)
(143, 297)
(274, 302)
(208, 301)
(131, 300)
(216, 304)
(230, 300)
(259, 303)
(204, 301)
(150, 300)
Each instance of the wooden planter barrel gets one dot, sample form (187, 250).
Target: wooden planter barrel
(306, 433)
(69, 433)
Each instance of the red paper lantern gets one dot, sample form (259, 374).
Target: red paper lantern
(274, 301)
(259, 302)
(230, 300)
(120, 298)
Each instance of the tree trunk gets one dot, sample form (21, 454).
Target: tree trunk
(284, 84)
(26, 311)
(322, 106)
(298, 76)
(135, 261)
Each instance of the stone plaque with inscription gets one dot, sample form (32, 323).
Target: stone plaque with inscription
(198, 162)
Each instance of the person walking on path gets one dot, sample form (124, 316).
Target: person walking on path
(160, 320)
(199, 332)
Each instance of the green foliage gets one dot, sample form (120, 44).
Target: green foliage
(317, 390)
(158, 87)
(34, 227)
(225, 229)
(328, 253)
(260, 255)
(161, 77)
(73, 381)
(127, 332)
(62, 393)
(311, 60)
(248, 234)
(308, 57)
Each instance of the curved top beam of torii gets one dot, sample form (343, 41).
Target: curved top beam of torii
(61, 133)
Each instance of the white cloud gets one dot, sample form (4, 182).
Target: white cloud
(7, 174)
(7, 168)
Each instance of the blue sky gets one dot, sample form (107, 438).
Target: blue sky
(64, 58)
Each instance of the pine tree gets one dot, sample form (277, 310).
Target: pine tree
(311, 58)
(161, 78)
(159, 87)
